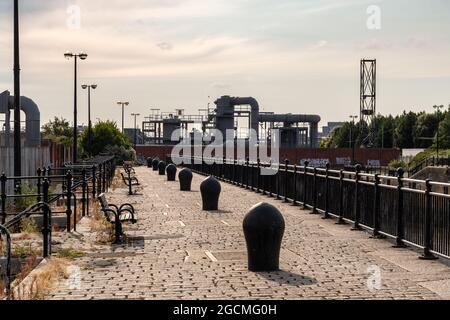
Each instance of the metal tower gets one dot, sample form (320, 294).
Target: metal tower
(368, 102)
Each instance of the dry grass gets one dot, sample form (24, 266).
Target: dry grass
(29, 226)
(22, 236)
(29, 265)
(44, 279)
(117, 182)
(24, 250)
(2, 290)
(98, 224)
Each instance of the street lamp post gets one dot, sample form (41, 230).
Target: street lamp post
(135, 115)
(123, 104)
(352, 143)
(17, 142)
(438, 110)
(89, 87)
(82, 56)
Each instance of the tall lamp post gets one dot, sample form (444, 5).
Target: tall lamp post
(123, 104)
(135, 115)
(17, 142)
(438, 111)
(82, 56)
(89, 87)
(352, 143)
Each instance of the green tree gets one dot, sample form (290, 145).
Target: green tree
(58, 130)
(107, 138)
(425, 130)
(444, 132)
(404, 132)
(341, 136)
(385, 131)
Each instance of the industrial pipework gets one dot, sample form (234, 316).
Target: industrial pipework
(225, 117)
(33, 118)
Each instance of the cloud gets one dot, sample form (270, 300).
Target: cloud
(165, 46)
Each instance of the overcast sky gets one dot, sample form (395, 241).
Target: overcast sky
(298, 56)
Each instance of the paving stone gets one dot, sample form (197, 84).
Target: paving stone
(164, 260)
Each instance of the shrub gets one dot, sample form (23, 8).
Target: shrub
(395, 164)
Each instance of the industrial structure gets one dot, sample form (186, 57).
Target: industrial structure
(32, 121)
(239, 115)
(368, 102)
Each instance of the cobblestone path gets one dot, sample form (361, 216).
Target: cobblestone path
(177, 251)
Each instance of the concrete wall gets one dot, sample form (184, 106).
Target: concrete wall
(33, 158)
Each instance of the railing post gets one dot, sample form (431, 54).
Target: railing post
(99, 180)
(104, 177)
(264, 182)
(46, 226)
(247, 172)
(341, 198)
(314, 209)
(234, 171)
(87, 197)
(258, 176)
(270, 178)
(294, 196)
(224, 167)
(251, 172)
(8, 279)
(356, 203)
(203, 165)
(3, 180)
(49, 172)
(94, 182)
(39, 184)
(400, 234)
(327, 182)
(107, 173)
(68, 199)
(278, 182)
(286, 182)
(376, 208)
(427, 255)
(305, 184)
(83, 190)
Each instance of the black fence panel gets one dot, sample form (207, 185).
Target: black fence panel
(414, 217)
(366, 204)
(440, 224)
(388, 210)
(348, 200)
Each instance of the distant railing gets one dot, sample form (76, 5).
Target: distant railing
(430, 162)
(413, 212)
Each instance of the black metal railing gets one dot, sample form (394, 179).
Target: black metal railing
(412, 212)
(81, 183)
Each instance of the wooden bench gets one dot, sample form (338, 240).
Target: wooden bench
(117, 215)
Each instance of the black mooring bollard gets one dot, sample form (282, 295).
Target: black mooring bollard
(263, 229)
(185, 176)
(149, 162)
(162, 168)
(171, 171)
(155, 163)
(210, 189)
